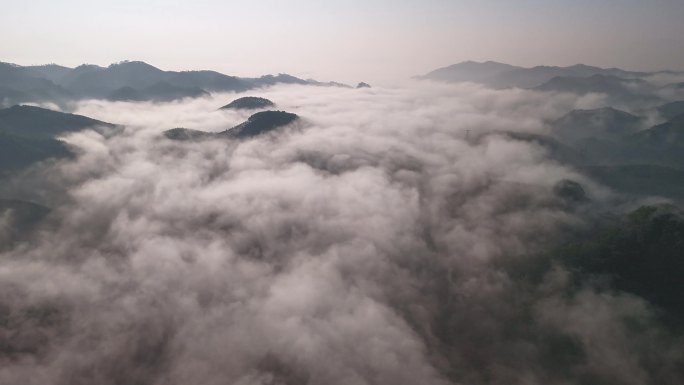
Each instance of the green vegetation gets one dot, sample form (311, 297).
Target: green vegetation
(642, 253)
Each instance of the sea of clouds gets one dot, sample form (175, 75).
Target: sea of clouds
(390, 236)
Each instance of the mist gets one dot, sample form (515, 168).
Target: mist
(390, 236)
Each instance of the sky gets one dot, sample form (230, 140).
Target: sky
(343, 40)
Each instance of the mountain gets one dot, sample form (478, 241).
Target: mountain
(661, 145)
(19, 86)
(10, 96)
(313, 82)
(28, 135)
(640, 253)
(261, 123)
(76, 73)
(469, 71)
(556, 150)
(666, 135)
(363, 85)
(159, 92)
(500, 75)
(17, 152)
(536, 76)
(645, 180)
(124, 81)
(257, 124)
(126, 94)
(187, 134)
(52, 72)
(248, 103)
(12, 76)
(618, 89)
(17, 218)
(603, 123)
(36, 122)
(165, 91)
(98, 82)
(211, 81)
(671, 110)
(270, 80)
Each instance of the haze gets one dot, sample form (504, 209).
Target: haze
(346, 40)
(367, 193)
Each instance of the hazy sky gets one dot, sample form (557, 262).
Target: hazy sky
(346, 40)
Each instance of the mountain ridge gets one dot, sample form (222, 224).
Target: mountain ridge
(502, 75)
(60, 84)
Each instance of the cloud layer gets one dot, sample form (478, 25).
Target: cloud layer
(390, 237)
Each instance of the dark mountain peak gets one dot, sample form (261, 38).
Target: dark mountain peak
(363, 85)
(257, 124)
(274, 116)
(248, 103)
(185, 134)
(261, 123)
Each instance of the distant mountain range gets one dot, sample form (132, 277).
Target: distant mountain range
(620, 85)
(124, 81)
(500, 75)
